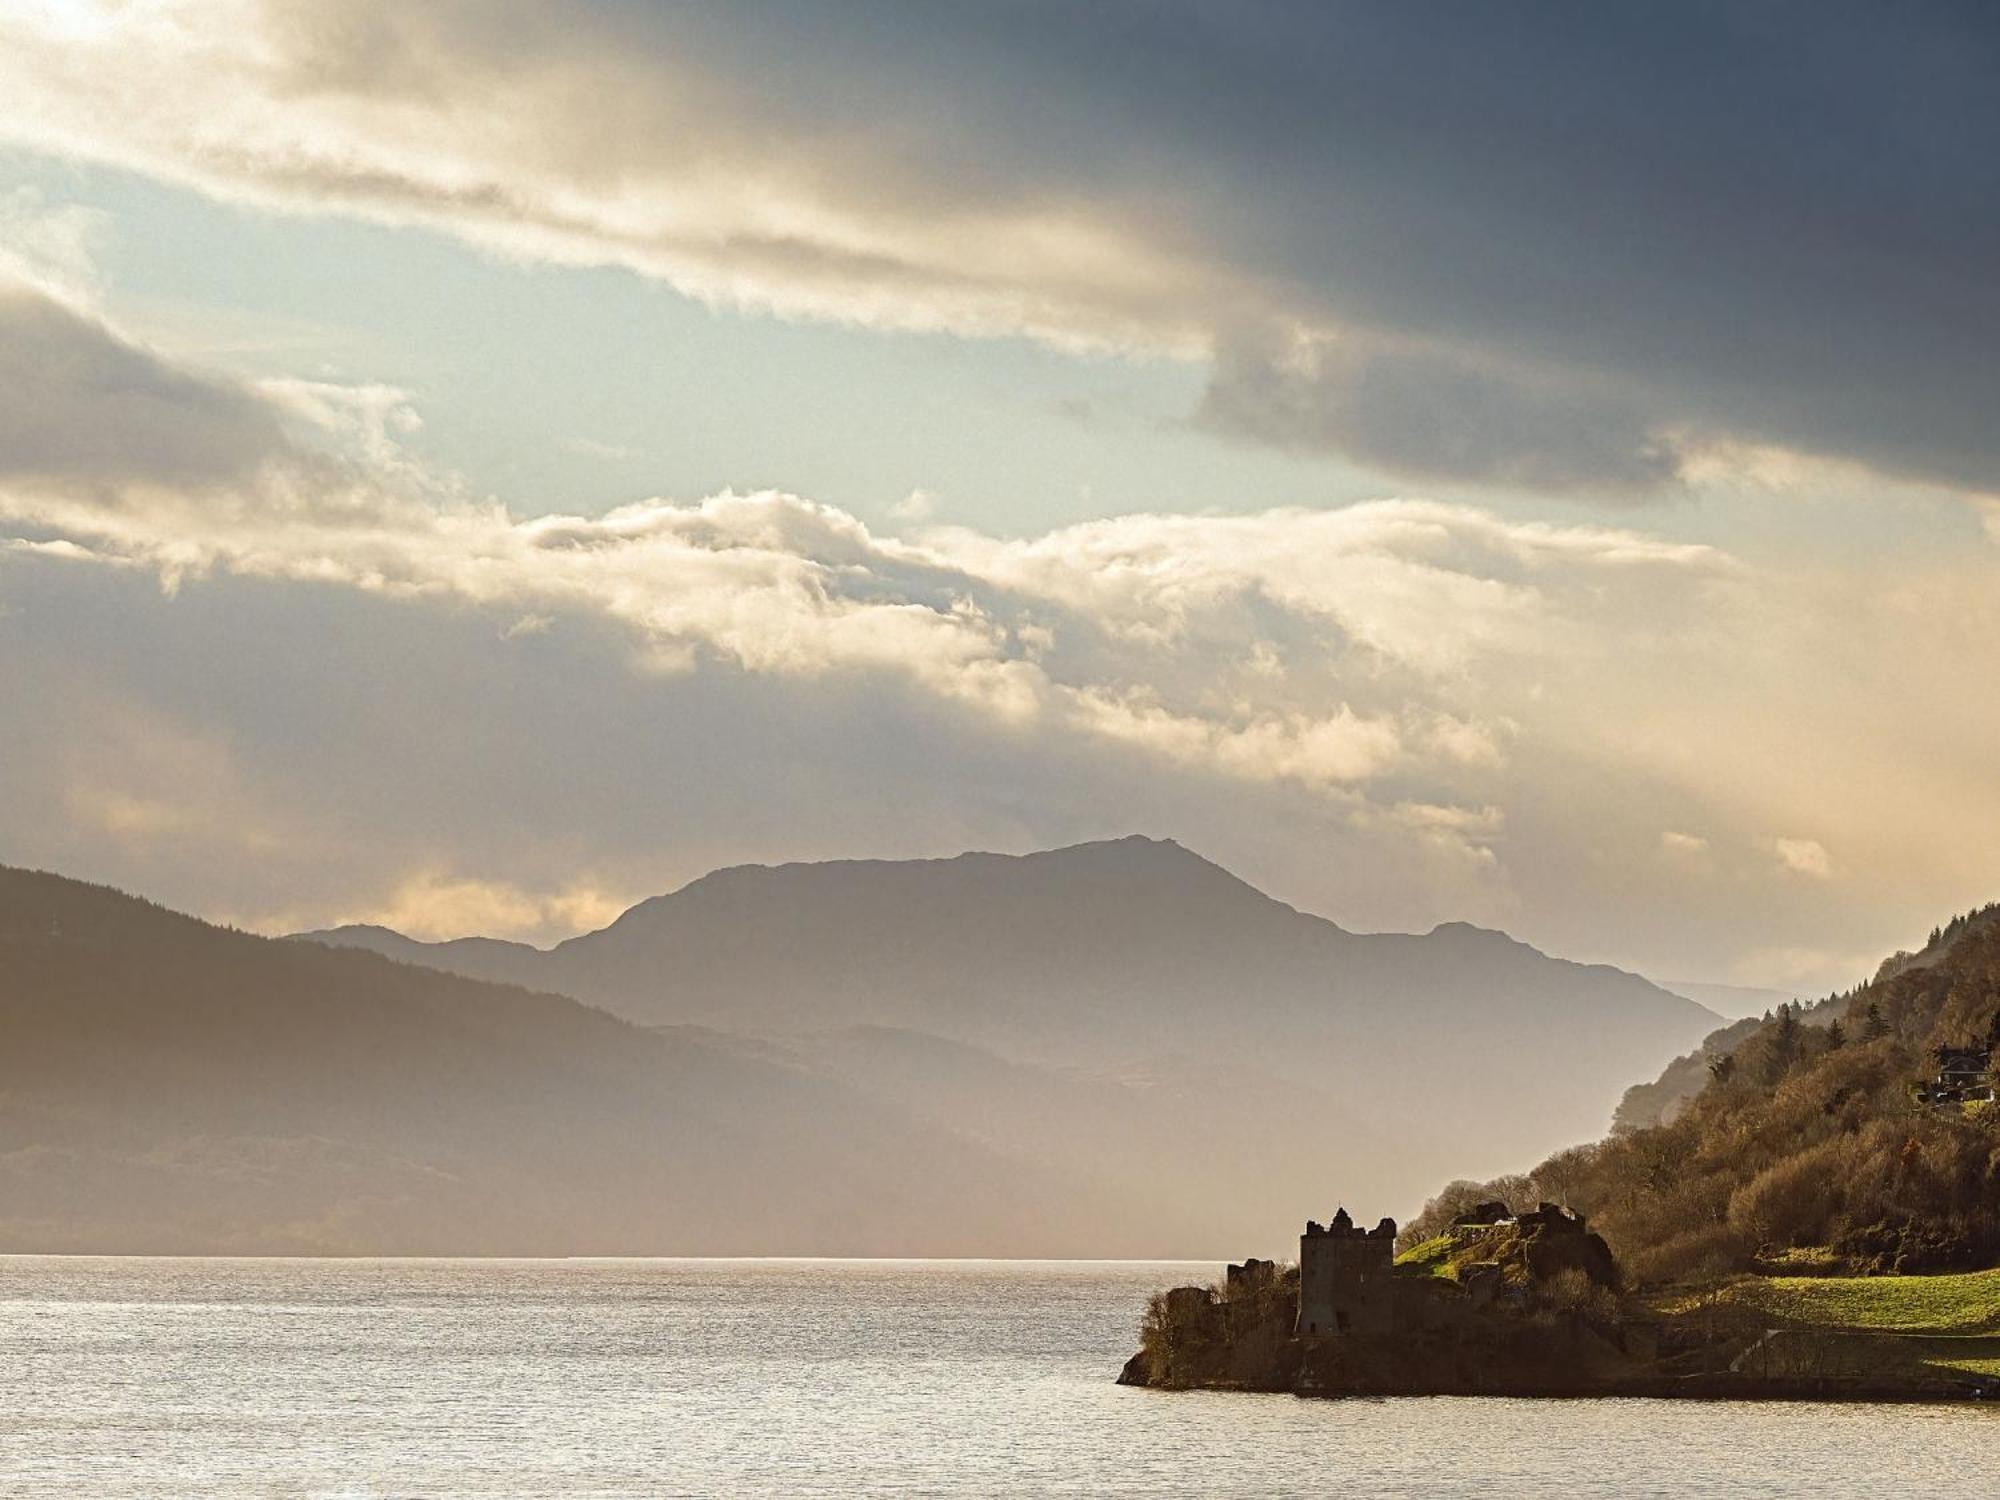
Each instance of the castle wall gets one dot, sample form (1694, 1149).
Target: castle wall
(1344, 1281)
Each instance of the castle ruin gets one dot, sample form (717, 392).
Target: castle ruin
(1344, 1278)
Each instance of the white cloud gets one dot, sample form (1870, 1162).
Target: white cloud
(1336, 750)
(1466, 833)
(1685, 846)
(433, 905)
(1803, 857)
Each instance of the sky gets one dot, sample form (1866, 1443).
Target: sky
(473, 466)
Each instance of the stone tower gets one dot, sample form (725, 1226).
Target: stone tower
(1344, 1274)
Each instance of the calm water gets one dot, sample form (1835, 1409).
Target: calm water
(163, 1378)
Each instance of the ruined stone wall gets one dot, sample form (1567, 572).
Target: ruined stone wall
(1344, 1279)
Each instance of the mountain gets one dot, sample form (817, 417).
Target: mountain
(168, 1086)
(1135, 954)
(1123, 1050)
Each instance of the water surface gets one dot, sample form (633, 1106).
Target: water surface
(155, 1378)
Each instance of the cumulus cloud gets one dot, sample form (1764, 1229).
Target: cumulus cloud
(1488, 260)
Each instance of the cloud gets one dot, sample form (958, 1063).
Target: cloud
(1427, 413)
(1465, 832)
(1484, 258)
(1804, 857)
(591, 448)
(1398, 711)
(89, 412)
(1683, 846)
(1330, 751)
(1238, 646)
(433, 905)
(49, 244)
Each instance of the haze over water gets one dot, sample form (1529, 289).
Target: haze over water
(364, 1378)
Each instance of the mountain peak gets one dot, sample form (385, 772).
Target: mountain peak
(1472, 932)
(351, 931)
(1133, 856)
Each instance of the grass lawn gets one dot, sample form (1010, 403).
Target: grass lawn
(1945, 1315)
(1967, 1303)
(1916, 1330)
(1431, 1258)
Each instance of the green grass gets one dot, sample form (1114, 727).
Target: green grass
(1967, 1303)
(1973, 1355)
(1431, 1258)
(1922, 1332)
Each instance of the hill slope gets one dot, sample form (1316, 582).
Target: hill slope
(169, 1086)
(1118, 955)
(1807, 1143)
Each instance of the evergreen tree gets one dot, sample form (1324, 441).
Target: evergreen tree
(1874, 1027)
(1836, 1037)
(1784, 1047)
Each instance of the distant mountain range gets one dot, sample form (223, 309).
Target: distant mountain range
(1132, 961)
(1113, 1049)
(168, 1086)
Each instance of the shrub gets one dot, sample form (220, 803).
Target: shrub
(1791, 1202)
(1703, 1254)
(1572, 1291)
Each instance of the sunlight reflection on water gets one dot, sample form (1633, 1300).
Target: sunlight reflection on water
(130, 1378)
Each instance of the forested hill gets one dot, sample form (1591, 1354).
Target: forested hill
(1683, 1079)
(1808, 1142)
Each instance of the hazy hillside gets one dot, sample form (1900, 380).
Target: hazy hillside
(1730, 1001)
(1119, 955)
(1660, 1100)
(1808, 1138)
(169, 1086)
(1236, 1149)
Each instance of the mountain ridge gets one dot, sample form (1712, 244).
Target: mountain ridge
(1101, 954)
(1130, 1051)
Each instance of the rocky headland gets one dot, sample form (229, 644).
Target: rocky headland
(1532, 1305)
